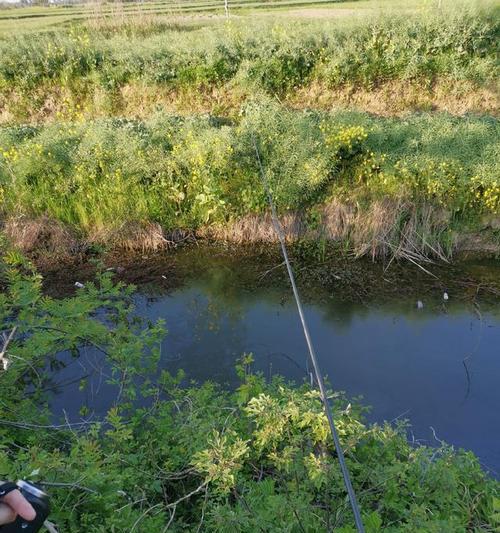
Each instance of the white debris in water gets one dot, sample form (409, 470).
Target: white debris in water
(446, 297)
(79, 285)
(420, 305)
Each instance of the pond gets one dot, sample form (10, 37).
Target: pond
(437, 366)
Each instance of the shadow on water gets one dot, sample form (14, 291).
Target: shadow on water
(437, 366)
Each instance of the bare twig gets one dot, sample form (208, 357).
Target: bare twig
(50, 527)
(187, 496)
(26, 425)
(6, 341)
(136, 523)
(203, 511)
(6, 362)
(68, 485)
(170, 520)
(129, 504)
(262, 276)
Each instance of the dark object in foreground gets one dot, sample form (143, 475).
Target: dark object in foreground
(40, 502)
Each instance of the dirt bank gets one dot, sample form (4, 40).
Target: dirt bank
(387, 229)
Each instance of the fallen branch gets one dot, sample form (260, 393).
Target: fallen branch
(262, 276)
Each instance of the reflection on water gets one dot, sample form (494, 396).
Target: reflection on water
(438, 366)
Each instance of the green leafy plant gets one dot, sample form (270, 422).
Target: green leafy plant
(197, 457)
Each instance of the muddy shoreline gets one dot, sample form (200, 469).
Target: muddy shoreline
(361, 280)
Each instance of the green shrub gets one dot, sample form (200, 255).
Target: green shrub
(256, 459)
(414, 48)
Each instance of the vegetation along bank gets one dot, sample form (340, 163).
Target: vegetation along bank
(386, 62)
(379, 137)
(427, 185)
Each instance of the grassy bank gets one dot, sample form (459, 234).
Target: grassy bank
(448, 54)
(380, 185)
(255, 459)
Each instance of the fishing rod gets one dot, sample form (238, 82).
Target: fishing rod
(312, 353)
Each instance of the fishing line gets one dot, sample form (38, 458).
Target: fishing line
(312, 353)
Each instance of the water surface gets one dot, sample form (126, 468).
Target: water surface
(438, 366)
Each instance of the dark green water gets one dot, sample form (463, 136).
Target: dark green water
(438, 366)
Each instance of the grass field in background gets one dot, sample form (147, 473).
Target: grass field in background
(42, 18)
(120, 65)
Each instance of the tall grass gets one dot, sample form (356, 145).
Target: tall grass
(196, 172)
(278, 58)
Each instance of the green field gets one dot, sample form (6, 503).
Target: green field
(380, 58)
(19, 19)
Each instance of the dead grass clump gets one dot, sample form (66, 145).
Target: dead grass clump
(40, 234)
(400, 229)
(388, 228)
(398, 97)
(133, 237)
(257, 228)
(337, 220)
(374, 229)
(140, 99)
(139, 237)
